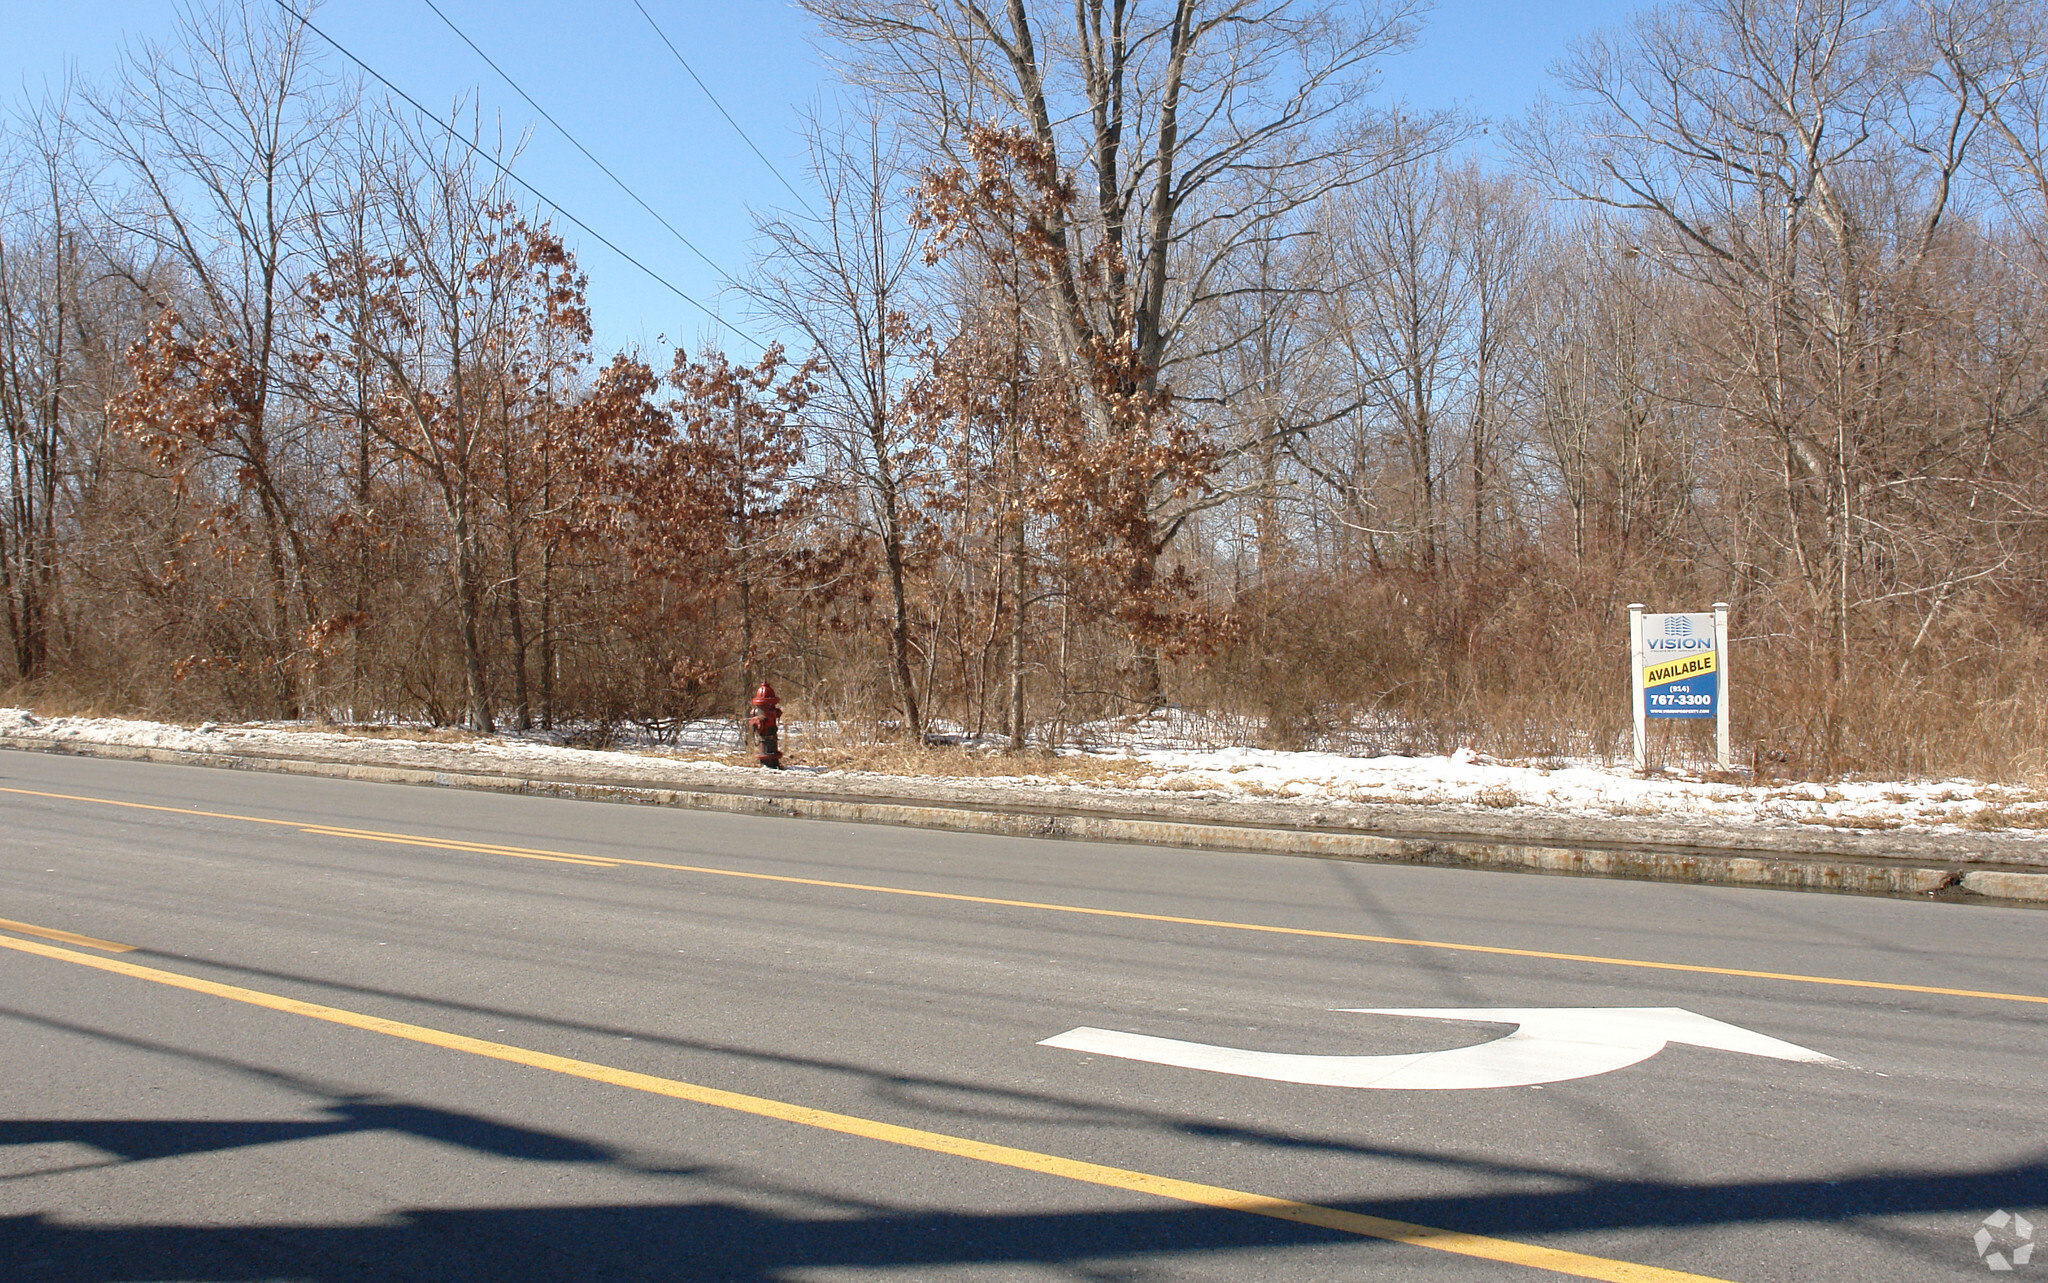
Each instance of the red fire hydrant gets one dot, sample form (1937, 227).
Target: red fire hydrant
(767, 711)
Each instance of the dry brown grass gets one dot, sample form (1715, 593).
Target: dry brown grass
(733, 758)
(1499, 796)
(1643, 810)
(1859, 822)
(426, 734)
(957, 762)
(1256, 789)
(47, 699)
(2009, 817)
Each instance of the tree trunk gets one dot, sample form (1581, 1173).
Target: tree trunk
(282, 675)
(515, 620)
(1018, 619)
(469, 596)
(899, 623)
(547, 637)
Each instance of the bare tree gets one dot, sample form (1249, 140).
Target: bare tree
(1496, 230)
(1398, 306)
(844, 278)
(1166, 115)
(1797, 161)
(40, 269)
(1275, 379)
(222, 140)
(432, 308)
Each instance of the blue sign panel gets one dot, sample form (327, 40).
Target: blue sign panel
(1694, 697)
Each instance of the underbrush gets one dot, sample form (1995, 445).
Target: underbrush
(1530, 663)
(1524, 661)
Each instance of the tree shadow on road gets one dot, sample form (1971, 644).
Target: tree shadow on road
(730, 1242)
(141, 1139)
(743, 1229)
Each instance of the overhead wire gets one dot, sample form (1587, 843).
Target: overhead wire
(509, 173)
(563, 131)
(721, 108)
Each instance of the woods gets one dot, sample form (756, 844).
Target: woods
(1123, 355)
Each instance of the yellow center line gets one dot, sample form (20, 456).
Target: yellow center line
(1220, 924)
(1535, 1256)
(1269, 929)
(452, 844)
(68, 937)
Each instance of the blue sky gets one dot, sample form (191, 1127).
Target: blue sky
(600, 70)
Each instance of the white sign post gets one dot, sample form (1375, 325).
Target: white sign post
(1635, 674)
(1678, 667)
(1721, 704)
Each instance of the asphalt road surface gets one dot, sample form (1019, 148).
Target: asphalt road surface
(256, 1027)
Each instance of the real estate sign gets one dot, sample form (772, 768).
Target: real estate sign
(1681, 666)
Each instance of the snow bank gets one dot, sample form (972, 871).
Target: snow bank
(1165, 765)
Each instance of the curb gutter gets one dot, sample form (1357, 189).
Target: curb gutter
(1785, 871)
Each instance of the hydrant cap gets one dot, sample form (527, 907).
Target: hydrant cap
(765, 697)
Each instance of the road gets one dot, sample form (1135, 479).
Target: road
(258, 1027)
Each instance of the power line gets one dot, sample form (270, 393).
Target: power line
(506, 170)
(721, 108)
(620, 182)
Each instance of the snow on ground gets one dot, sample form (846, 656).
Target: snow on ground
(1466, 779)
(1169, 759)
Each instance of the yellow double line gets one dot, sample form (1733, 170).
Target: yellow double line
(1535, 1256)
(68, 937)
(450, 844)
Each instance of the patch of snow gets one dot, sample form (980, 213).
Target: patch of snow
(1169, 759)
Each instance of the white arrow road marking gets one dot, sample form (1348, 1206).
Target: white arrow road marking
(1549, 1045)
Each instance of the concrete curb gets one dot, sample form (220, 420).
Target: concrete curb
(1955, 881)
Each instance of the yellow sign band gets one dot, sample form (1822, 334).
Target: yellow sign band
(1676, 670)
